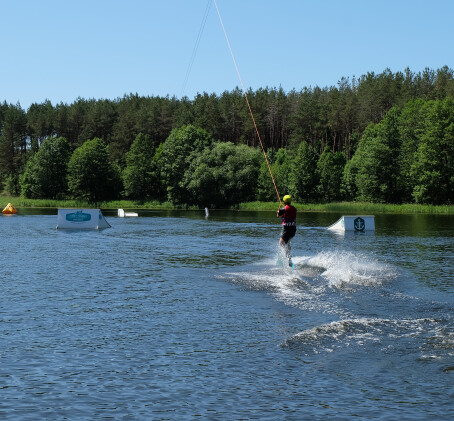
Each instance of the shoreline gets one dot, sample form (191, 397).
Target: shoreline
(335, 207)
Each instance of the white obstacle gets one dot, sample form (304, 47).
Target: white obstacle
(81, 219)
(354, 223)
(122, 213)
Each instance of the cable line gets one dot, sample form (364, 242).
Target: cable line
(247, 101)
(196, 46)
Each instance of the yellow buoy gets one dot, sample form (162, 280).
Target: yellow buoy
(9, 210)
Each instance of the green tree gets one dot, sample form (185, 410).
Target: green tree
(91, 176)
(411, 129)
(433, 168)
(46, 171)
(152, 116)
(40, 123)
(265, 187)
(141, 176)
(280, 164)
(378, 158)
(349, 188)
(99, 119)
(206, 111)
(223, 175)
(371, 179)
(303, 178)
(330, 167)
(13, 146)
(175, 156)
(231, 109)
(73, 120)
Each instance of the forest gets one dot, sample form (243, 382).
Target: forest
(383, 138)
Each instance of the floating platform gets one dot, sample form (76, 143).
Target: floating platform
(81, 219)
(123, 214)
(354, 223)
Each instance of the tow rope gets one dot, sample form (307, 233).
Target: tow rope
(247, 101)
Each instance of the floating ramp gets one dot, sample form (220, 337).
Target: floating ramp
(122, 214)
(354, 223)
(81, 219)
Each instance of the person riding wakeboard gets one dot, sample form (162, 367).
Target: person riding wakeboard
(288, 215)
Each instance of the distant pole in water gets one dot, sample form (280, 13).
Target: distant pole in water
(207, 213)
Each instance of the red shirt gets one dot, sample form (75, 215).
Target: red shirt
(288, 215)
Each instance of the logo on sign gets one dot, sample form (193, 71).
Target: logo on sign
(359, 224)
(78, 216)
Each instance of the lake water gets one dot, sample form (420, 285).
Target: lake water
(172, 316)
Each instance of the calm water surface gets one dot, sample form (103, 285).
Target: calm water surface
(172, 316)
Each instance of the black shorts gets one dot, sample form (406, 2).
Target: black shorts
(288, 233)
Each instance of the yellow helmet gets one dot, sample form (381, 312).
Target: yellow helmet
(287, 198)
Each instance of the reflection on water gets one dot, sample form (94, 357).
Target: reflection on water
(172, 315)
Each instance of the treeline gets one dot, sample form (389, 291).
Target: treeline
(384, 138)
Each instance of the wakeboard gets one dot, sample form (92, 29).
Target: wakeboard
(285, 262)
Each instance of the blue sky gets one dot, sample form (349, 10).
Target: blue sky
(61, 50)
